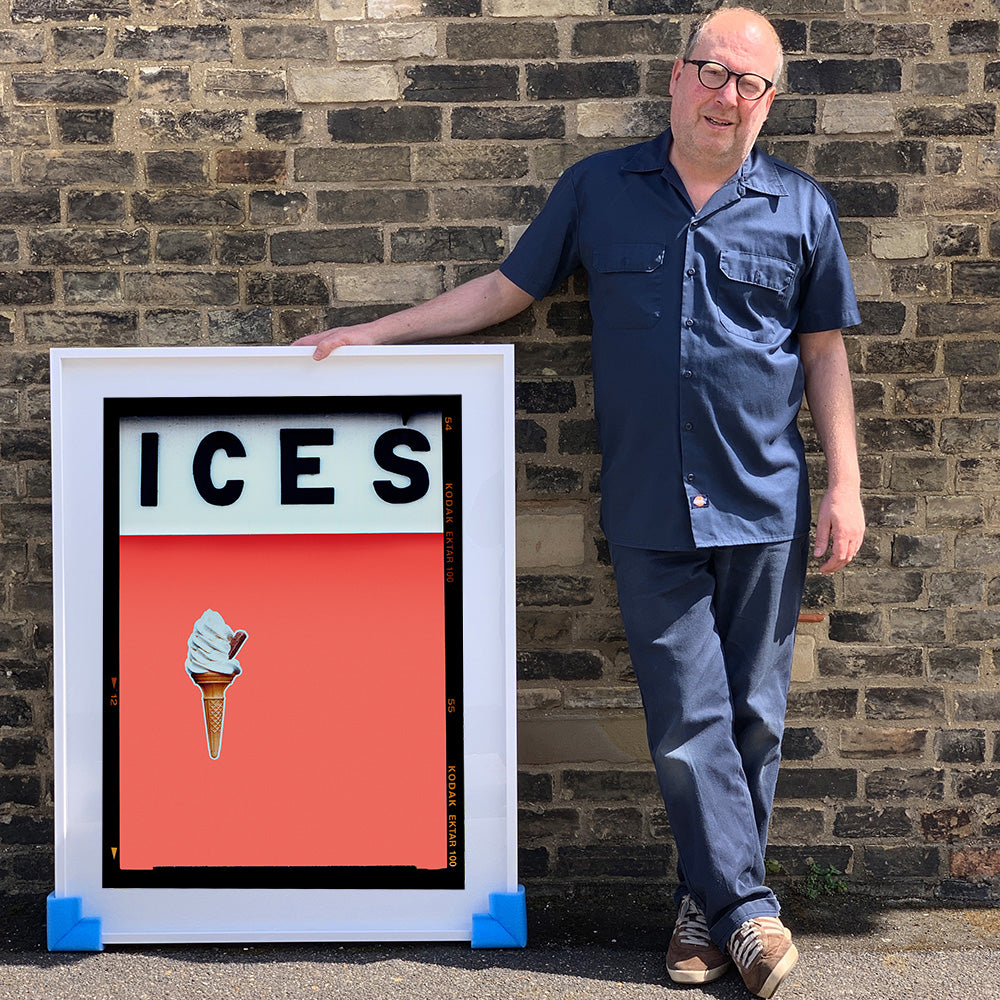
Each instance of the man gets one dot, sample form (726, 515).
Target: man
(718, 286)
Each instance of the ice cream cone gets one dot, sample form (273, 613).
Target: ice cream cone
(213, 692)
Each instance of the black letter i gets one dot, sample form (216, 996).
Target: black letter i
(149, 459)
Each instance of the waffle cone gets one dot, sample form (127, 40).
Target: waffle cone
(213, 694)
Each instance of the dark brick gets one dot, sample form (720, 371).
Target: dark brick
(959, 119)
(902, 434)
(532, 824)
(571, 81)
(816, 783)
(919, 396)
(170, 326)
(449, 84)
(850, 38)
(534, 787)
(89, 125)
(956, 241)
(554, 591)
(978, 279)
(799, 861)
(919, 279)
(883, 319)
(14, 712)
(901, 356)
(193, 126)
(867, 662)
(865, 821)
(409, 205)
(856, 626)
(898, 783)
(844, 76)
(164, 84)
(529, 437)
(975, 783)
(508, 123)
(436, 243)
(183, 208)
(942, 79)
(276, 41)
(570, 319)
(904, 39)
(451, 8)
(609, 786)
(20, 790)
(89, 246)
(991, 80)
(977, 706)
(578, 437)
(532, 862)
(517, 40)
(899, 862)
(242, 248)
(830, 703)
(67, 10)
(82, 86)
(280, 289)
(967, 37)
(392, 124)
(960, 746)
(647, 7)
(940, 319)
(342, 165)
(625, 38)
(101, 329)
(96, 206)
(917, 550)
(250, 166)
(184, 246)
(240, 326)
(29, 207)
(226, 10)
(20, 751)
(182, 288)
(547, 396)
(516, 203)
(280, 208)
(865, 198)
(559, 664)
(339, 246)
(801, 744)
(791, 116)
(79, 44)
(552, 479)
(26, 830)
(945, 824)
(176, 167)
(279, 124)
(26, 288)
(871, 159)
(199, 43)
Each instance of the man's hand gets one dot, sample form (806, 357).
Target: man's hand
(840, 529)
(340, 336)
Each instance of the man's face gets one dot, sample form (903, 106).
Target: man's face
(714, 130)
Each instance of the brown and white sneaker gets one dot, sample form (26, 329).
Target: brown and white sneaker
(692, 956)
(763, 952)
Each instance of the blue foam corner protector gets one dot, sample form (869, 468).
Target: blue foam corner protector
(67, 929)
(506, 925)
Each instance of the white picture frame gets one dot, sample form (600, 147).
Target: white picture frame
(97, 395)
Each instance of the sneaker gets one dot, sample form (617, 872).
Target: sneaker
(692, 956)
(763, 951)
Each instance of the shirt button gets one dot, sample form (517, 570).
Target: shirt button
(690, 477)
(688, 373)
(690, 272)
(688, 426)
(688, 323)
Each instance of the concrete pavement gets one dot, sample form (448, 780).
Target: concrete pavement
(916, 953)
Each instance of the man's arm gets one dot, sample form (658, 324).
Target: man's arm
(841, 520)
(479, 303)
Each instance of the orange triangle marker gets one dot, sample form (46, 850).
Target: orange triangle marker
(114, 852)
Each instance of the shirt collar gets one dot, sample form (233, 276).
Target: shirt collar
(757, 172)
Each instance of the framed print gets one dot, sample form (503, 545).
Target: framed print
(284, 645)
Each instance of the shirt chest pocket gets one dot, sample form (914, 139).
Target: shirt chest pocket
(753, 295)
(627, 285)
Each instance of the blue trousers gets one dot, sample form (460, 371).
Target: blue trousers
(710, 635)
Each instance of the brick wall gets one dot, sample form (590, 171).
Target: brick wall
(220, 171)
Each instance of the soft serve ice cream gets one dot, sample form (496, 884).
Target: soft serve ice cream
(212, 665)
(210, 646)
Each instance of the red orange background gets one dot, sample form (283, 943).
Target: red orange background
(333, 750)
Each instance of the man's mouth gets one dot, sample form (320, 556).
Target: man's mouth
(717, 121)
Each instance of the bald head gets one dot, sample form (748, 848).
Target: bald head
(744, 17)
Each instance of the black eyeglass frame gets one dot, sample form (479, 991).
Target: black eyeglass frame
(731, 73)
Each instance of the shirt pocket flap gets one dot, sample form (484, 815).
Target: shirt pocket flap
(637, 257)
(756, 269)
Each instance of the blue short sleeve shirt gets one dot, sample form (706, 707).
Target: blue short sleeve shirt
(697, 318)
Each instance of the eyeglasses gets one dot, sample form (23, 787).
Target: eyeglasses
(714, 76)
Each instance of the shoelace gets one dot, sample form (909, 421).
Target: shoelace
(746, 945)
(692, 928)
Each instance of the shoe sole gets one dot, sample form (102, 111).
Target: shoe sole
(779, 972)
(689, 978)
